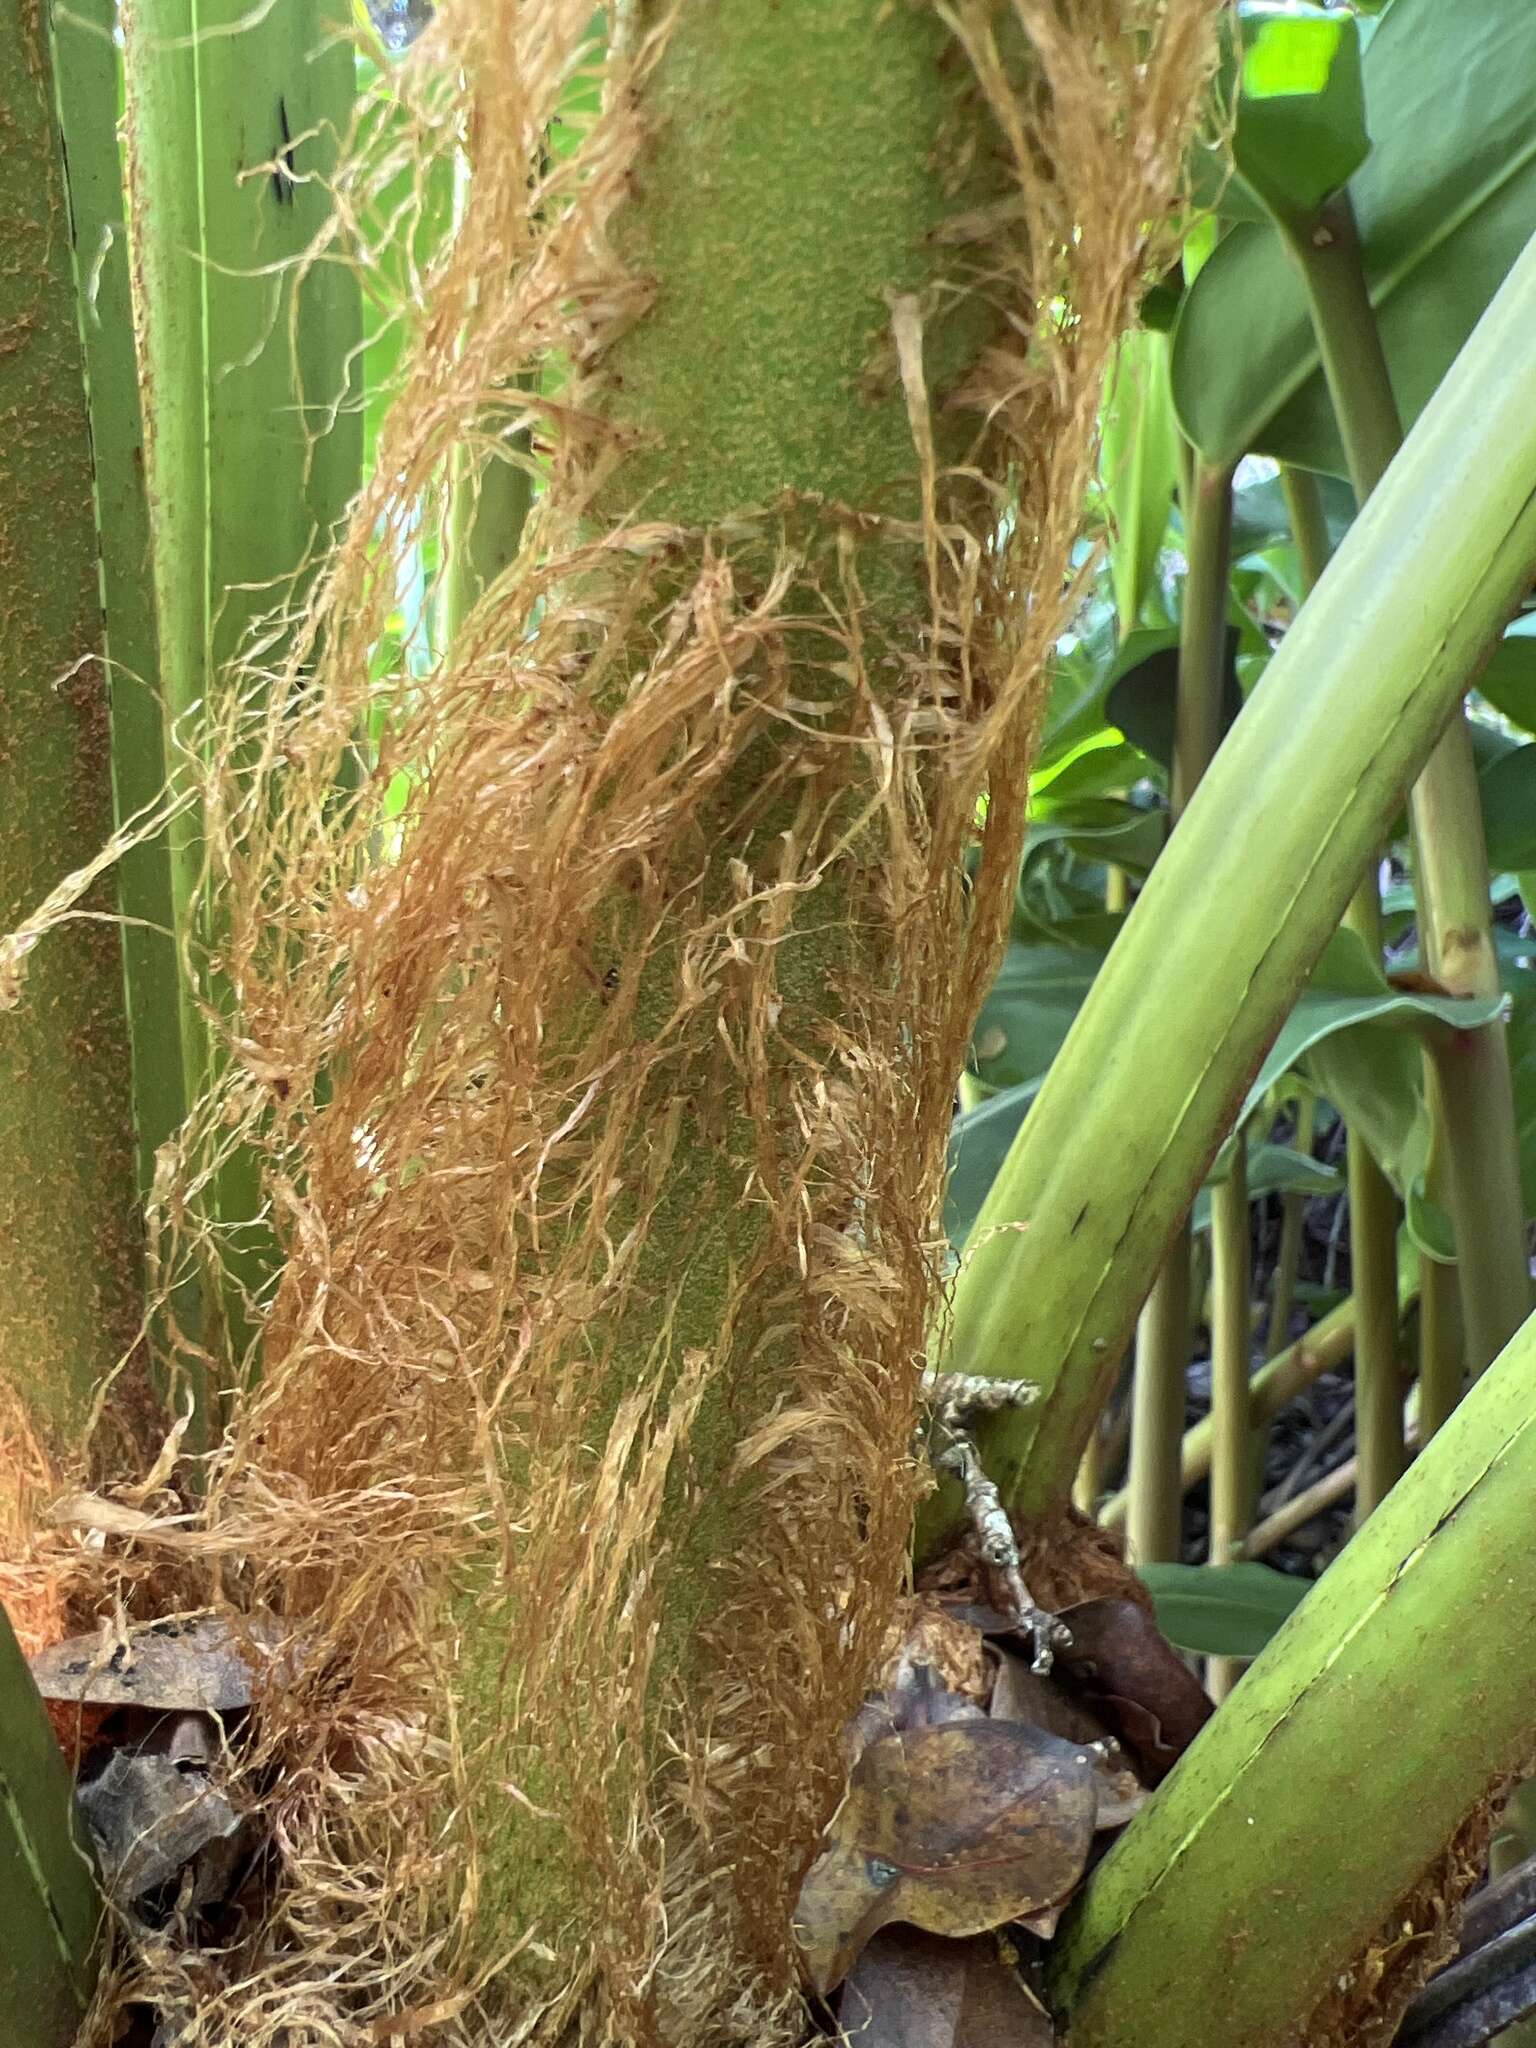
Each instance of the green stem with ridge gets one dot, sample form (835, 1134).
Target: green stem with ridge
(1470, 1091)
(1318, 761)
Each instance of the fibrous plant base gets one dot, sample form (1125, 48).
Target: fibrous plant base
(602, 1093)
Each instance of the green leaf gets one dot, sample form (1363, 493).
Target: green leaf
(1445, 202)
(1229, 1610)
(1098, 828)
(1509, 681)
(1508, 790)
(1272, 1170)
(1260, 517)
(1143, 697)
(1300, 132)
(1138, 465)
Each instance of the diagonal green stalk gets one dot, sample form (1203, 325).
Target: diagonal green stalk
(1317, 763)
(1471, 1095)
(252, 448)
(1439, 1582)
(1162, 1337)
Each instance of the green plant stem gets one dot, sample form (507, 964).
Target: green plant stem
(1202, 631)
(88, 70)
(1162, 1342)
(252, 442)
(49, 1906)
(1373, 1218)
(1154, 1492)
(1470, 1091)
(1373, 1209)
(1309, 522)
(1435, 1583)
(1316, 765)
(1442, 1353)
(1293, 1216)
(1326, 1347)
(1231, 1361)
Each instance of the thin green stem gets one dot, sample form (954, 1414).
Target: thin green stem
(1442, 1349)
(1162, 1341)
(1293, 1216)
(1202, 630)
(1155, 1494)
(1231, 1365)
(1470, 1089)
(1309, 523)
(1373, 1216)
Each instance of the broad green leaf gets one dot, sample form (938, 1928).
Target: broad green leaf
(1223, 1610)
(1098, 828)
(1103, 765)
(1508, 790)
(1138, 465)
(1143, 697)
(1509, 681)
(1300, 132)
(1260, 517)
(1445, 201)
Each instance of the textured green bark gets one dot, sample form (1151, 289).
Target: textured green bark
(1316, 765)
(789, 179)
(1394, 1696)
(48, 1902)
(70, 1267)
(88, 69)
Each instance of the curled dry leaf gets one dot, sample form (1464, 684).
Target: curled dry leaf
(1020, 1693)
(956, 1829)
(191, 1664)
(1120, 1664)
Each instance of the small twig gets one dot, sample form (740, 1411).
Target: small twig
(957, 1399)
(1314, 1454)
(1321, 1495)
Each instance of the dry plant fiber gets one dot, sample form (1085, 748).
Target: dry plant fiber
(602, 1093)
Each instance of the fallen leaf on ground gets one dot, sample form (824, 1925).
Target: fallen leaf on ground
(956, 1829)
(914, 1990)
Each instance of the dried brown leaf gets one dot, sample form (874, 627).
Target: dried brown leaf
(1120, 1663)
(957, 1829)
